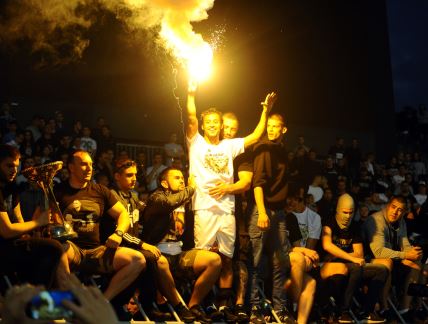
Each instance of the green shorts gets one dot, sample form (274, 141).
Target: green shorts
(98, 260)
(181, 265)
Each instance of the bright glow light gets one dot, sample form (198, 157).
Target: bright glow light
(199, 63)
(190, 50)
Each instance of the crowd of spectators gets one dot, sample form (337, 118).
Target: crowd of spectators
(319, 178)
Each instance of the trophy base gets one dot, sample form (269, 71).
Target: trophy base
(58, 232)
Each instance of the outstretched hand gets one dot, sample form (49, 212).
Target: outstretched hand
(269, 101)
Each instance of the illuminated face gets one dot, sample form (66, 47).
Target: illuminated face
(9, 168)
(230, 128)
(211, 125)
(127, 178)
(394, 211)
(81, 167)
(132, 307)
(174, 181)
(275, 129)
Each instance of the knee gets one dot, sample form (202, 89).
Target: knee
(162, 263)
(386, 262)
(342, 269)
(138, 261)
(297, 260)
(214, 261)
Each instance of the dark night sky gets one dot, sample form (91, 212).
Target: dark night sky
(314, 54)
(409, 51)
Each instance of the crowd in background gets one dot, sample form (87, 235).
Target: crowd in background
(320, 177)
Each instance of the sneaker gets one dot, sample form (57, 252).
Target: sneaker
(228, 315)
(373, 318)
(409, 316)
(257, 316)
(184, 313)
(345, 317)
(214, 313)
(421, 314)
(200, 315)
(158, 316)
(241, 314)
(286, 317)
(388, 315)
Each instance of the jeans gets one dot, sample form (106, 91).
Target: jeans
(275, 242)
(374, 274)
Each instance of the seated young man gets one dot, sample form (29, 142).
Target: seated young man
(37, 261)
(344, 264)
(386, 235)
(300, 285)
(163, 226)
(85, 204)
(125, 176)
(309, 222)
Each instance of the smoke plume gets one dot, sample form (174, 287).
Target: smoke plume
(58, 30)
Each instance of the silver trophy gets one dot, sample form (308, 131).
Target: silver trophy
(43, 175)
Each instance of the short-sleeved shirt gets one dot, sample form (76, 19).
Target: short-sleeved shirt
(211, 164)
(9, 199)
(85, 207)
(242, 163)
(310, 225)
(343, 238)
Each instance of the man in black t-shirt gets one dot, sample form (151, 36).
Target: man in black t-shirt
(84, 203)
(34, 260)
(243, 175)
(344, 265)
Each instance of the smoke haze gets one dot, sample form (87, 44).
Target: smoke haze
(58, 30)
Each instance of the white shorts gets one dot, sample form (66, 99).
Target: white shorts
(213, 225)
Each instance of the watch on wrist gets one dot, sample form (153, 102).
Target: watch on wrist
(118, 233)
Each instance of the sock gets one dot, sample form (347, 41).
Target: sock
(223, 297)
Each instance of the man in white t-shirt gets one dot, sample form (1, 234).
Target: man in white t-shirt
(211, 163)
(309, 222)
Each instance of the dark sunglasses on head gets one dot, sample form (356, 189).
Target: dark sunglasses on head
(125, 165)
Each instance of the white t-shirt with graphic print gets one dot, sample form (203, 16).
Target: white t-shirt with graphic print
(310, 225)
(211, 164)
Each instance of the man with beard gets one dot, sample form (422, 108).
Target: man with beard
(163, 226)
(125, 176)
(386, 235)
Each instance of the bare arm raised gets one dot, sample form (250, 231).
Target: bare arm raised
(261, 126)
(192, 119)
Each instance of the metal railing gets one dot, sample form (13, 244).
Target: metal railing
(134, 149)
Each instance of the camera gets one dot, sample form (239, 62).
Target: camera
(47, 305)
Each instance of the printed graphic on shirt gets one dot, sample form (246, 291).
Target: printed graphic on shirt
(304, 230)
(343, 243)
(217, 162)
(85, 215)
